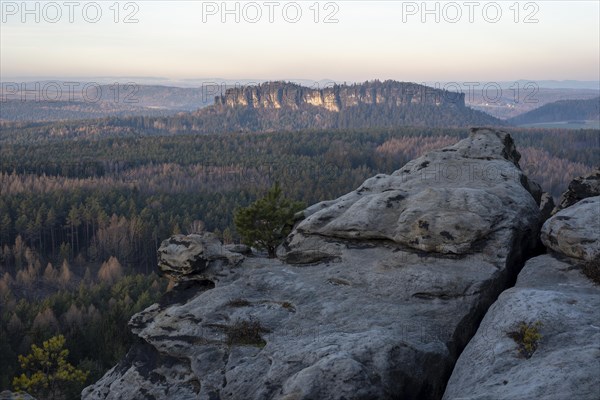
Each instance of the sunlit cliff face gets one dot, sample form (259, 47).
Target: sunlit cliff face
(275, 95)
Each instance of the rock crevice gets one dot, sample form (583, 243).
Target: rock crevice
(557, 296)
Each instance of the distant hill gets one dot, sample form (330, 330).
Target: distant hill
(32, 111)
(512, 103)
(559, 111)
(55, 101)
(275, 106)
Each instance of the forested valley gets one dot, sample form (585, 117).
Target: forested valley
(81, 219)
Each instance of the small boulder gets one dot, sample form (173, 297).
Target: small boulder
(574, 231)
(194, 257)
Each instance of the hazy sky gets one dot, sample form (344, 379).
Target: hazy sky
(386, 39)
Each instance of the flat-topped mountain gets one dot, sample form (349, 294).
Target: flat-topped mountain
(274, 95)
(276, 106)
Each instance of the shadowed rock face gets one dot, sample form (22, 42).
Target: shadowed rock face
(550, 290)
(579, 189)
(387, 286)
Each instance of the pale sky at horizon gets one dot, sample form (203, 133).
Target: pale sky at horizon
(369, 41)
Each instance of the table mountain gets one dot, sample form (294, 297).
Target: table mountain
(287, 106)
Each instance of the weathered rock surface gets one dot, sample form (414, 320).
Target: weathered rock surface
(448, 201)
(579, 189)
(195, 257)
(575, 231)
(387, 286)
(551, 290)
(8, 395)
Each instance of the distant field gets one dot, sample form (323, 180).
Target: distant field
(590, 124)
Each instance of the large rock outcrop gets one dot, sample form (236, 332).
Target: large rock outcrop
(451, 201)
(553, 293)
(374, 297)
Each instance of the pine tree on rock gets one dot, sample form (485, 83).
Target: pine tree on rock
(266, 222)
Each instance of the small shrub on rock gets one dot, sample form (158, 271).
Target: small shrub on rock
(527, 336)
(246, 333)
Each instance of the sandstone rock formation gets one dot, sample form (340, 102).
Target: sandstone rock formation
(194, 257)
(575, 231)
(448, 201)
(552, 291)
(374, 297)
(286, 106)
(579, 189)
(274, 95)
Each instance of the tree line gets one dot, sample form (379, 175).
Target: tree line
(122, 197)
